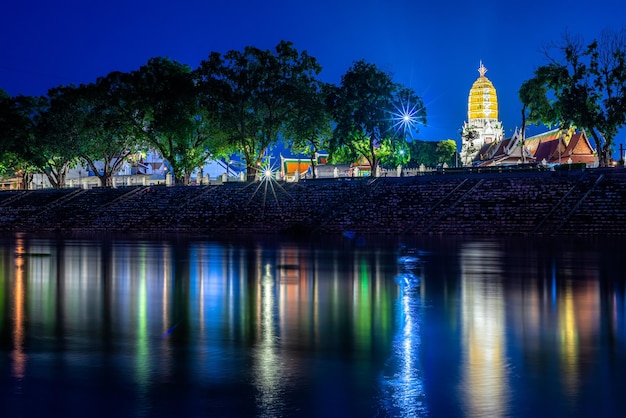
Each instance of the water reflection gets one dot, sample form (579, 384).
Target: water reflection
(269, 368)
(195, 328)
(403, 381)
(18, 355)
(484, 368)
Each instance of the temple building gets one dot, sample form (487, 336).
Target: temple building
(484, 144)
(482, 125)
(554, 147)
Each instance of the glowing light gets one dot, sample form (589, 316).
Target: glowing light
(268, 181)
(404, 118)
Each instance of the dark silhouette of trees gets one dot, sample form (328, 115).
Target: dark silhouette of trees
(583, 85)
(242, 102)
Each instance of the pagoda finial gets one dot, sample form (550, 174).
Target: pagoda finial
(482, 69)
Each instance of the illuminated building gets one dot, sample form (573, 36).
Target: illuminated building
(482, 126)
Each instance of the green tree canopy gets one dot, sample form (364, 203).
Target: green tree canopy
(309, 124)
(59, 134)
(112, 134)
(369, 110)
(446, 152)
(256, 94)
(18, 118)
(168, 109)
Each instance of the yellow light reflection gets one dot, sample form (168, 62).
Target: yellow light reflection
(569, 340)
(18, 355)
(484, 366)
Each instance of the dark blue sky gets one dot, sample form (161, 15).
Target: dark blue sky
(434, 47)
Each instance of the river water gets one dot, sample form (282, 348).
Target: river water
(346, 327)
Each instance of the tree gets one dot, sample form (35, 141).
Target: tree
(582, 86)
(58, 135)
(17, 135)
(167, 102)
(423, 152)
(364, 108)
(446, 152)
(12, 126)
(255, 93)
(309, 123)
(41, 137)
(469, 137)
(532, 91)
(112, 132)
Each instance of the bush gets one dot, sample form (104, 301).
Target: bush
(570, 167)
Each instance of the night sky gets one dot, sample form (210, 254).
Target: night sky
(435, 47)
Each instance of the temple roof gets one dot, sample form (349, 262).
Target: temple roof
(553, 147)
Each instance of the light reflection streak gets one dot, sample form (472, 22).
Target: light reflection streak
(568, 340)
(484, 370)
(403, 383)
(166, 299)
(142, 356)
(362, 303)
(268, 367)
(18, 355)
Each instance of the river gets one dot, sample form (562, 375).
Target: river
(343, 327)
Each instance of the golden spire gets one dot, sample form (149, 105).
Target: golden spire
(483, 100)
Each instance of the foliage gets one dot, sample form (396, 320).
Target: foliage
(255, 94)
(111, 132)
(469, 137)
(239, 102)
(362, 108)
(309, 124)
(166, 99)
(423, 152)
(583, 86)
(17, 124)
(570, 167)
(446, 152)
(58, 136)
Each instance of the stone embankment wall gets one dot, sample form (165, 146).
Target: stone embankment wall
(590, 202)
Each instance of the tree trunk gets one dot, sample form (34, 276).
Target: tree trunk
(313, 166)
(603, 149)
(251, 173)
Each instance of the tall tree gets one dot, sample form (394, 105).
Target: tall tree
(113, 134)
(59, 132)
(533, 95)
(584, 85)
(254, 92)
(18, 119)
(170, 115)
(364, 108)
(309, 122)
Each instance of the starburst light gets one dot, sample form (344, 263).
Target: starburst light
(405, 118)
